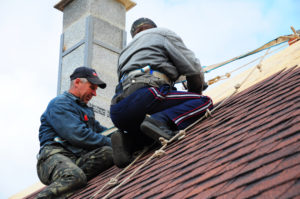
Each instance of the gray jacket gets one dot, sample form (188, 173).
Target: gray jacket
(163, 50)
(166, 53)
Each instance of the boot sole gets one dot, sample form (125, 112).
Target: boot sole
(153, 131)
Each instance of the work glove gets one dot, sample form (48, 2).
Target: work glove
(195, 83)
(205, 85)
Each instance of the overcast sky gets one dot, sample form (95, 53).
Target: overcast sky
(29, 49)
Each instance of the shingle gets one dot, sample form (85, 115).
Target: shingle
(276, 192)
(268, 182)
(293, 191)
(250, 148)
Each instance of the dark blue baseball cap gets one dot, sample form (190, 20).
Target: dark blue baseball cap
(88, 73)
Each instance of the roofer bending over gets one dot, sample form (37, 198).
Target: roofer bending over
(72, 150)
(147, 70)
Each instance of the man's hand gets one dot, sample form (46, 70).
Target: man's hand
(194, 83)
(205, 86)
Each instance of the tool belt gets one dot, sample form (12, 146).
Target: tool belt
(137, 79)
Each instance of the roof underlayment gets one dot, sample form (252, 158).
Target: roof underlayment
(249, 148)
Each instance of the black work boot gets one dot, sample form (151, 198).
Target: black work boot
(121, 149)
(155, 129)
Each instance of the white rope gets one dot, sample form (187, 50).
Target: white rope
(160, 152)
(228, 74)
(114, 180)
(237, 86)
(254, 68)
(157, 153)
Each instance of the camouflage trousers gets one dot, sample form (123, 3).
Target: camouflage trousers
(64, 172)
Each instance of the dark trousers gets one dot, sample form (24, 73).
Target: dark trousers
(64, 172)
(179, 109)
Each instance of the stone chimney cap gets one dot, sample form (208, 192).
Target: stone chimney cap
(127, 3)
(63, 3)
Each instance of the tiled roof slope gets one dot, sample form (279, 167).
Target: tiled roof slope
(250, 148)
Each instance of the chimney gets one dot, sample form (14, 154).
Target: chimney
(93, 36)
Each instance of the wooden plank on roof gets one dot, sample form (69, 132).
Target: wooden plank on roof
(286, 58)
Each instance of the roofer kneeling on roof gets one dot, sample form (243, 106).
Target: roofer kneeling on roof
(147, 70)
(72, 150)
